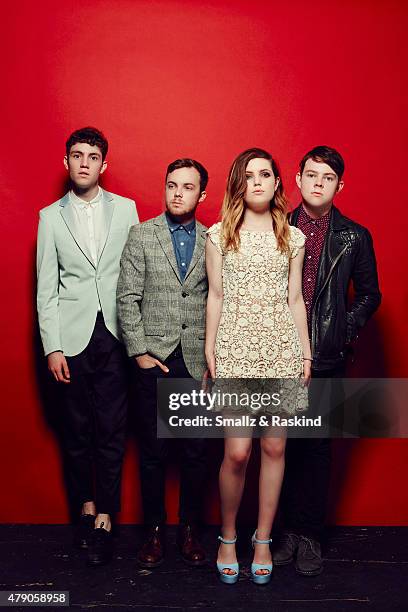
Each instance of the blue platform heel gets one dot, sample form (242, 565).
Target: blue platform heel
(260, 578)
(228, 578)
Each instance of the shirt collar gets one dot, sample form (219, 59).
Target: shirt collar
(82, 203)
(320, 222)
(174, 225)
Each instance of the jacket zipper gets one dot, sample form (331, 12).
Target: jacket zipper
(319, 294)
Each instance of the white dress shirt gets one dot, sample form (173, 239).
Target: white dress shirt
(89, 221)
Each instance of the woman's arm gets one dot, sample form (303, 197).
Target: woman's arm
(298, 309)
(213, 260)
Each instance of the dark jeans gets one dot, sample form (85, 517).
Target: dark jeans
(95, 410)
(306, 481)
(154, 452)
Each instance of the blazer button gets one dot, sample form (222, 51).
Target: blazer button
(184, 294)
(184, 326)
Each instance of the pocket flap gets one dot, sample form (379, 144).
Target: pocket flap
(154, 330)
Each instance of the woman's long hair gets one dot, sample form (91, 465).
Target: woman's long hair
(233, 206)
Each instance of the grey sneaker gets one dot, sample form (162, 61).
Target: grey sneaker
(309, 557)
(285, 551)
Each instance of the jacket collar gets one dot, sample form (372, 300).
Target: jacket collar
(67, 214)
(65, 200)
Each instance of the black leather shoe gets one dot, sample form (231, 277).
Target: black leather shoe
(190, 547)
(152, 552)
(285, 551)
(309, 557)
(100, 548)
(83, 531)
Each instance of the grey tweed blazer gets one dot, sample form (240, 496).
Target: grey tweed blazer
(156, 309)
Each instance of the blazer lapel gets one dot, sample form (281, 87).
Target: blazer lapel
(164, 238)
(108, 208)
(68, 216)
(198, 247)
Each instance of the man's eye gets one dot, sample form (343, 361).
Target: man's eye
(310, 175)
(329, 178)
(189, 187)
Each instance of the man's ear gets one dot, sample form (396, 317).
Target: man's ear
(298, 179)
(202, 196)
(66, 162)
(340, 186)
(103, 167)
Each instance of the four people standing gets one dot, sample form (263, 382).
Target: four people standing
(254, 324)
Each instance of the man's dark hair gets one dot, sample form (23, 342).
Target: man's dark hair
(326, 155)
(190, 163)
(91, 136)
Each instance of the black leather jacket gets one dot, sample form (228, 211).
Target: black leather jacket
(347, 254)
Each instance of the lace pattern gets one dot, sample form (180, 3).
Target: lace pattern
(257, 336)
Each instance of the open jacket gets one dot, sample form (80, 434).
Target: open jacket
(71, 288)
(347, 255)
(157, 309)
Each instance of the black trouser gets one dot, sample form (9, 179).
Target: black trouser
(154, 452)
(306, 481)
(95, 420)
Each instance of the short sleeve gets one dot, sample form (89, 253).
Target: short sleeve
(214, 234)
(296, 241)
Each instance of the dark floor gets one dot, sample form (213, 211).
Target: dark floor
(365, 569)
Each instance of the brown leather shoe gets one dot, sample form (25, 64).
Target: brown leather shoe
(190, 547)
(152, 552)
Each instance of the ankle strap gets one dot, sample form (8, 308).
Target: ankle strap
(256, 541)
(221, 539)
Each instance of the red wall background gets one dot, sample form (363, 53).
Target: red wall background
(203, 79)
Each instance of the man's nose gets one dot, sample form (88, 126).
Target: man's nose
(179, 192)
(319, 181)
(84, 162)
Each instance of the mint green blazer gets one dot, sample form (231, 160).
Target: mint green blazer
(70, 288)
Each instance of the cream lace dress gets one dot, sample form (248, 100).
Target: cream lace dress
(257, 336)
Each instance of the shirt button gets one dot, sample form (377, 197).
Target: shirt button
(184, 294)
(184, 326)
(181, 243)
(306, 302)
(309, 279)
(182, 263)
(309, 257)
(311, 233)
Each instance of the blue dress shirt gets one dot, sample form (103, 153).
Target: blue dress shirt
(183, 238)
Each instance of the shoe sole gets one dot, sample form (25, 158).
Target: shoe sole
(313, 573)
(286, 562)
